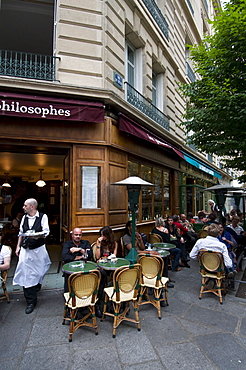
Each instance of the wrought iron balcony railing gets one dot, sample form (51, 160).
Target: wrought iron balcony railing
(158, 16)
(190, 6)
(141, 103)
(27, 65)
(190, 72)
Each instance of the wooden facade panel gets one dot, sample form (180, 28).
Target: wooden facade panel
(117, 157)
(117, 194)
(117, 218)
(14, 127)
(90, 220)
(88, 153)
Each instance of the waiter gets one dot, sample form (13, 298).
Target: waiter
(34, 260)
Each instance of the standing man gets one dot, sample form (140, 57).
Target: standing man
(34, 260)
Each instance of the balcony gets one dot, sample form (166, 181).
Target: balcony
(190, 73)
(158, 16)
(190, 6)
(27, 65)
(141, 103)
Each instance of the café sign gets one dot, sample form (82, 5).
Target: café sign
(21, 105)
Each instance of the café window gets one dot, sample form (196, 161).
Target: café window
(146, 194)
(132, 169)
(90, 187)
(157, 192)
(166, 193)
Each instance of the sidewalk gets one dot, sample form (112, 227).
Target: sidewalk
(193, 334)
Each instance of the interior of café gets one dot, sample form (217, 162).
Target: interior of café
(39, 175)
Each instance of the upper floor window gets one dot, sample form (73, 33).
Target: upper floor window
(134, 66)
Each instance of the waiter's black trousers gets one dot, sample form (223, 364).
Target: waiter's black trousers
(31, 295)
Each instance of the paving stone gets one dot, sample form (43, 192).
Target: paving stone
(46, 358)
(166, 330)
(156, 365)
(100, 359)
(195, 328)
(48, 330)
(183, 356)
(243, 327)
(134, 347)
(212, 318)
(223, 350)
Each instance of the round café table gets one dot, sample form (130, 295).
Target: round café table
(75, 266)
(163, 246)
(111, 266)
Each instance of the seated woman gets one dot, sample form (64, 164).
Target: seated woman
(5, 256)
(106, 245)
(161, 230)
(177, 240)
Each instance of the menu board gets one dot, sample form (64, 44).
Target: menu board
(89, 186)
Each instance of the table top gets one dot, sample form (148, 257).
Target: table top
(75, 266)
(113, 265)
(166, 246)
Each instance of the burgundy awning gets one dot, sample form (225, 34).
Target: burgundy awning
(133, 128)
(32, 106)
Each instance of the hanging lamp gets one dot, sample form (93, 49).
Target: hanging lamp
(6, 184)
(41, 183)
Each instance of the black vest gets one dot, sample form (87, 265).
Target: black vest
(32, 243)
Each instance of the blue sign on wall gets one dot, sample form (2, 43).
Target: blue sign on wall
(118, 80)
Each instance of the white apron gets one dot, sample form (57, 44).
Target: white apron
(32, 266)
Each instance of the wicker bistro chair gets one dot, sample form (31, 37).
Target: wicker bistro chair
(3, 280)
(83, 289)
(152, 268)
(155, 238)
(125, 289)
(212, 267)
(202, 234)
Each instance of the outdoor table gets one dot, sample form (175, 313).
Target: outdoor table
(111, 266)
(165, 246)
(75, 266)
(162, 252)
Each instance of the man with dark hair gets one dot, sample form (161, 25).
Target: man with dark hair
(34, 260)
(212, 243)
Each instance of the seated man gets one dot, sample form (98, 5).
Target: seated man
(5, 254)
(127, 241)
(212, 243)
(74, 250)
(238, 232)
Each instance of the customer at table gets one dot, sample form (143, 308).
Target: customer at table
(5, 256)
(127, 239)
(106, 244)
(161, 230)
(77, 249)
(212, 243)
(178, 240)
(226, 238)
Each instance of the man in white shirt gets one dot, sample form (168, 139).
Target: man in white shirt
(212, 243)
(34, 260)
(5, 255)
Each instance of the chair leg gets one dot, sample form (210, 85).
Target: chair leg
(142, 291)
(116, 318)
(166, 295)
(94, 319)
(203, 283)
(157, 293)
(104, 306)
(135, 306)
(218, 283)
(5, 291)
(71, 326)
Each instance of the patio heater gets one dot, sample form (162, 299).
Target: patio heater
(133, 185)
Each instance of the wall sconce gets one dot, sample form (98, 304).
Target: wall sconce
(6, 184)
(40, 183)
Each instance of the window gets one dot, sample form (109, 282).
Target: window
(90, 180)
(134, 67)
(157, 90)
(154, 199)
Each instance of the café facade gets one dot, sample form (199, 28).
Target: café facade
(82, 147)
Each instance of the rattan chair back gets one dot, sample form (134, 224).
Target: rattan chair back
(202, 234)
(155, 238)
(152, 267)
(127, 280)
(211, 261)
(84, 284)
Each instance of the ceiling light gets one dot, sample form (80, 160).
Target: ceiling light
(40, 183)
(6, 184)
